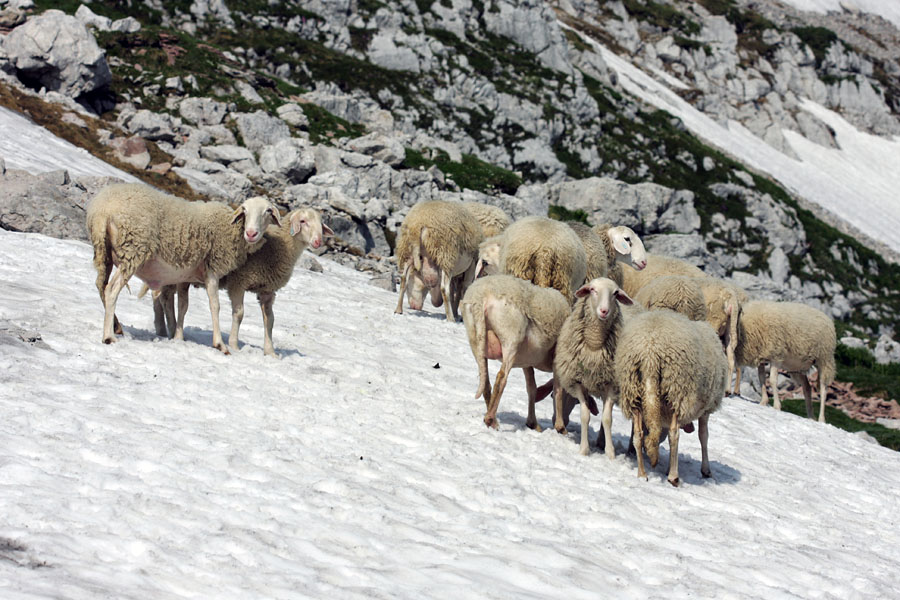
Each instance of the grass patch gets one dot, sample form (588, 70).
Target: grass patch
(889, 438)
(661, 15)
(819, 40)
(469, 173)
(561, 213)
(858, 366)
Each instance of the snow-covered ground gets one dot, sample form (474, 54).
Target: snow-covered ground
(357, 466)
(889, 9)
(858, 183)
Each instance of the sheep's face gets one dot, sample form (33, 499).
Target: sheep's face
(307, 223)
(629, 247)
(488, 258)
(603, 295)
(257, 213)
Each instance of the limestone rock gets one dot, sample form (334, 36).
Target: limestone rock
(259, 129)
(291, 160)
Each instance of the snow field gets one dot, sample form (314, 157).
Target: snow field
(353, 468)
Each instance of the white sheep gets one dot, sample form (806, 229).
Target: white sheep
(674, 292)
(165, 240)
(623, 247)
(657, 266)
(270, 268)
(438, 241)
(543, 251)
(670, 370)
(585, 348)
(492, 219)
(514, 321)
(723, 301)
(792, 336)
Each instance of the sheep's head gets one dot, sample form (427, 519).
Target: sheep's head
(629, 247)
(488, 257)
(257, 213)
(307, 223)
(603, 294)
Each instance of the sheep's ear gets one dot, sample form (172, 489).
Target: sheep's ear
(237, 215)
(624, 298)
(297, 222)
(618, 240)
(326, 230)
(583, 291)
(276, 217)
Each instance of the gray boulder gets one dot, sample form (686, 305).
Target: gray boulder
(379, 146)
(292, 114)
(291, 160)
(56, 51)
(149, 125)
(202, 111)
(226, 153)
(223, 184)
(259, 129)
(887, 351)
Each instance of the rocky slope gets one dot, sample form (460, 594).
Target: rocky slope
(363, 108)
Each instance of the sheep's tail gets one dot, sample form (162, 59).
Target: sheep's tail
(651, 408)
(98, 230)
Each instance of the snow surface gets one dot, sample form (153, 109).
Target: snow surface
(858, 183)
(354, 467)
(889, 9)
(27, 146)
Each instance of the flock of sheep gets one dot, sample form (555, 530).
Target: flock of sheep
(652, 333)
(589, 305)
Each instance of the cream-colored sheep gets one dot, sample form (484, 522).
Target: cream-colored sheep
(492, 218)
(670, 371)
(723, 306)
(270, 268)
(623, 246)
(585, 348)
(594, 250)
(674, 292)
(657, 266)
(166, 240)
(792, 336)
(439, 241)
(514, 321)
(545, 252)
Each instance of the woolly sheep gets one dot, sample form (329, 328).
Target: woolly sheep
(670, 371)
(791, 336)
(583, 365)
(166, 240)
(657, 266)
(270, 268)
(623, 246)
(492, 219)
(723, 301)
(439, 241)
(514, 321)
(545, 252)
(674, 292)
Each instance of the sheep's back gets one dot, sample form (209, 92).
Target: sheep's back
(657, 266)
(674, 292)
(546, 252)
(492, 219)
(594, 250)
(777, 330)
(452, 232)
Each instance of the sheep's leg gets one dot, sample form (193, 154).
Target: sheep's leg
(703, 434)
(168, 306)
(608, 401)
(159, 315)
(560, 420)
(673, 450)
(823, 394)
(183, 291)
(737, 380)
(446, 293)
(801, 380)
(403, 279)
(761, 371)
(581, 395)
(265, 303)
(531, 386)
(110, 295)
(773, 381)
(638, 431)
(212, 290)
(490, 417)
(236, 297)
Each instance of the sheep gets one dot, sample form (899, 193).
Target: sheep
(623, 246)
(514, 321)
(723, 301)
(670, 370)
(546, 252)
(270, 268)
(674, 292)
(166, 240)
(439, 241)
(583, 364)
(792, 336)
(594, 250)
(657, 266)
(492, 219)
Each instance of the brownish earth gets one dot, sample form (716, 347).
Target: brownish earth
(843, 397)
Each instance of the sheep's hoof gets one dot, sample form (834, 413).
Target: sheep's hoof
(223, 349)
(611, 454)
(705, 474)
(110, 340)
(491, 422)
(585, 451)
(535, 426)
(561, 429)
(675, 482)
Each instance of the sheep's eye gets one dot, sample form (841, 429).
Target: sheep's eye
(627, 239)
